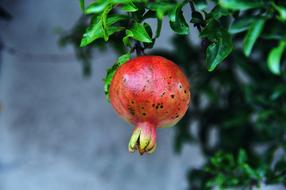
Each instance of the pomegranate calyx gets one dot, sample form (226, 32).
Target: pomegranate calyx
(143, 138)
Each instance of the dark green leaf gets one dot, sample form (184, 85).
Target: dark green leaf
(197, 18)
(242, 157)
(159, 27)
(250, 171)
(150, 33)
(241, 24)
(82, 5)
(253, 33)
(219, 12)
(276, 31)
(274, 58)
(177, 20)
(241, 4)
(111, 71)
(221, 44)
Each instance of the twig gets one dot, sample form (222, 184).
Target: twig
(139, 49)
(197, 25)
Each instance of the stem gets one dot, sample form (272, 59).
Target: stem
(137, 46)
(139, 49)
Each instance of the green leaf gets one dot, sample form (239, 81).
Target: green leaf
(197, 18)
(201, 4)
(177, 20)
(241, 24)
(251, 172)
(148, 29)
(111, 71)
(104, 21)
(221, 44)
(242, 157)
(129, 34)
(129, 7)
(274, 58)
(139, 33)
(96, 7)
(95, 31)
(161, 8)
(281, 10)
(241, 4)
(150, 33)
(82, 5)
(218, 12)
(253, 33)
(159, 27)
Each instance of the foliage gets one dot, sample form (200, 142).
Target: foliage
(238, 77)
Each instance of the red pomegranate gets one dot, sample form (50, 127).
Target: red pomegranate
(149, 92)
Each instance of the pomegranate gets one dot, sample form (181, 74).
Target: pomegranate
(149, 92)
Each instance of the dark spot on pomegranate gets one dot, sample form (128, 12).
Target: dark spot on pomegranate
(132, 102)
(185, 92)
(144, 114)
(161, 106)
(172, 96)
(163, 94)
(153, 105)
(131, 110)
(180, 86)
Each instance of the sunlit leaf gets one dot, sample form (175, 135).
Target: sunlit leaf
(129, 7)
(253, 33)
(138, 32)
(274, 58)
(241, 4)
(95, 30)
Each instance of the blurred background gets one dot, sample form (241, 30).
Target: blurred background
(56, 129)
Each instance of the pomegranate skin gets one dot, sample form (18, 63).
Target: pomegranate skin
(149, 92)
